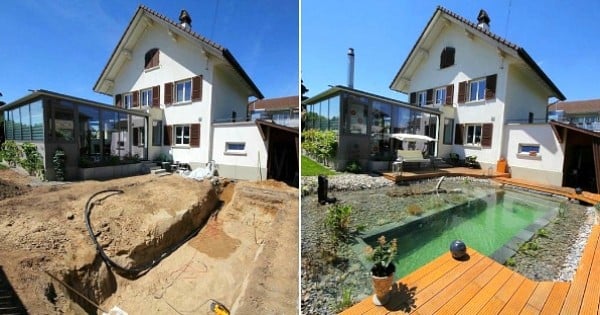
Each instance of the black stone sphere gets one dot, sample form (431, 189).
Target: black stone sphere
(458, 249)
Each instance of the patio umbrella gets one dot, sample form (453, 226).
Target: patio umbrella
(411, 137)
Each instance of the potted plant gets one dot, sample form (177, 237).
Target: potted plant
(382, 272)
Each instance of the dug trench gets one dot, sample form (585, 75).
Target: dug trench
(187, 242)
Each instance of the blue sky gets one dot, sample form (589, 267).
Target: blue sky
(562, 38)
(63, 45)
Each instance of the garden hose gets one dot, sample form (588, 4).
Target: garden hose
(134, 272)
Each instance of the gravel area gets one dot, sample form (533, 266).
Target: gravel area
(331, 271)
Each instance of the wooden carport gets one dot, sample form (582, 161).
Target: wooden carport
(283, 151)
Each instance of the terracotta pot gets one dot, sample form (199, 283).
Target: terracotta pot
(382, 287)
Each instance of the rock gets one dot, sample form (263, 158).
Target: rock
(70, 215)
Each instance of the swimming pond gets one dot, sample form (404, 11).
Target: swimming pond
(484, 224)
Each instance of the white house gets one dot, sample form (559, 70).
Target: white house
(194, 90)
(493, 96)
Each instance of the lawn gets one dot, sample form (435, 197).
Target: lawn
(312, 168)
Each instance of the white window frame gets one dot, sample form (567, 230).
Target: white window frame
(180, 137)
(185, 90)
(230, 148)
(529, 154)
(479, 84)
(422, 98)
(146, 97)
(476, 140)
(127, 100)
(439, 96)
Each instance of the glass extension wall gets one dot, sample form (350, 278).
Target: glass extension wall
(25, 123)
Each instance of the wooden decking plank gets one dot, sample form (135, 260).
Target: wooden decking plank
(519, 299)
(529, 310)
(428, 268)
(503, 294)
(591, 296)
(452, 285)
(540, 295)
(360, 308)
(556, 298)
(470, 290)
(486, 293)
(576, 291)
(493, 306)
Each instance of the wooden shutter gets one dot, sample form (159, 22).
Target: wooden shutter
(462, 92)
(155, 57)
(458, 134)
(486, 135)
(413, 98)
(156, 96)
(429, 97)
(195, 135)
(449, 94)
(135, 102)
(136, 135)
(169, 93)
(197, 88)
(118, 100)
(490, 86)
(168, 135)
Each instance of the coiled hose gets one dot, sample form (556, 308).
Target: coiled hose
(134, 272)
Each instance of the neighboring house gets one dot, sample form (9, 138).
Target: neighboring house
(583, 114)
(282, 110)
(194, 90)
(493, 96)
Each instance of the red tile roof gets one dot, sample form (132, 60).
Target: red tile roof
(577, 107)
(276, 103)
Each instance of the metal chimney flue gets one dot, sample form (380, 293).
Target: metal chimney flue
(351, 68)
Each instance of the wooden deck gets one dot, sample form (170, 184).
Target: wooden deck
(480, 285)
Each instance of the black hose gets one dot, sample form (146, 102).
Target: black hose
(134, 272)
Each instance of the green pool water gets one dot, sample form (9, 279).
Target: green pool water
(485, 224)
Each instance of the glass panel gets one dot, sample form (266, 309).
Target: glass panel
(157, 130)
(25, 122)
(324, 115)
(334, 113)
(380, 131)
(37, 120)
(123, 144)
(188, 90)
(63, 125)
(186, 135)
(110, 121)
(356, 115)
(400, 118)
(90, 138)
(17, 124)
(448, 130)
(146, 96)
(316, 118)
(8, 123)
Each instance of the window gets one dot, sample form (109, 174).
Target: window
(138, 136)
(127, 100)
(473, 135)
(151, 58)
(477, 90)
(447, 57)
(440, 96)
(157, 132)
(183, 91)
(235, 148)
(182, 135)
(448, 130)
(146, 97)
(529, 148)
(422, 98)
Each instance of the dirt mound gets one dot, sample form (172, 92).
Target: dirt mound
(9, 190)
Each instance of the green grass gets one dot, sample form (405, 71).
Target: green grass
(312, 168)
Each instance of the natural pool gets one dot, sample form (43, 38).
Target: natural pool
(484, 224)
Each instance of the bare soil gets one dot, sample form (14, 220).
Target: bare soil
(245, 255)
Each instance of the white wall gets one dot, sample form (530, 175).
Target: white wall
(252, 163)
(228, 97)
(547, 166)
(524, 96)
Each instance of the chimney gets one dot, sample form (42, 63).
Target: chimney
(483, 20)
(351, 68)
(185, 20)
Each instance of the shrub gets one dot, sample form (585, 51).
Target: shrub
(321, 145)
(353, 167)
(346, 300)
(32, 159)
(11, 153)
(337, 220)
(59, 161)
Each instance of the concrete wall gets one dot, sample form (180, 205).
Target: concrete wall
(251, 163)
(547, 166)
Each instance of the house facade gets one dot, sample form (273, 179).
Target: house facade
(194, 91)
(491, 93)
(281, 110)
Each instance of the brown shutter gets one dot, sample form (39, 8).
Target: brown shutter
(490, 86)
(155, 57)
(413, 98)
(168, 135)
(118, 100)
(156, 96)
(449, 94)
(195, 135)
(462, 92)
(429, 97)
(197, 88)
(458, 134)
(169, 93)
(136, 134)
(486, 135)
(135, 99)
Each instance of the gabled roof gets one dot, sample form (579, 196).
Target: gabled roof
(145, 17)
(440, 16)
(577, 107)
(276, 103)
